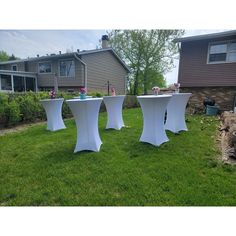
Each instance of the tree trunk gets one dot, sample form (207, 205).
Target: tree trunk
(136, 83)
(145, 83)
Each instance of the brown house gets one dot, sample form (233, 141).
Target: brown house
(69, 71)
(207, 68)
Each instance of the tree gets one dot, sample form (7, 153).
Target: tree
(12, 57)
(148, 53)
(5, 57)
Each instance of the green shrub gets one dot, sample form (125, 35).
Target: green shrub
(26, 107)
(3, 105)
(12, 113)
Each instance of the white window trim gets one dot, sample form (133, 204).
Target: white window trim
(220, 42)
(60, 71)
(14, 65)
(44, 73)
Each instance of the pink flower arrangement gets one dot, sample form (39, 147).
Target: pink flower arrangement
(177, 85)
(52, 94)
(156, 90)
(113, 92)
(82, 90)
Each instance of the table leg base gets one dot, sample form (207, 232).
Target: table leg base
(154, 143)
(176, 131)
(86, 147)
(114, 127)
(55, 129)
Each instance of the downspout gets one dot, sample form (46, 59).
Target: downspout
(85, 70)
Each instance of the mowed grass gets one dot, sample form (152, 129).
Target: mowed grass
(38, 167)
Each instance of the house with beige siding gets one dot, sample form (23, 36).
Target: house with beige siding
(93, 69)
(207, 67)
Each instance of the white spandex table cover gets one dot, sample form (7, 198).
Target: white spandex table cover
(86, 112)
(114, 111)
(53, 111)
(86, 97)
(154, 108)
(175, 121)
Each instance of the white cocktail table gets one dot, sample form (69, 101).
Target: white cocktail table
(175, 121)
(53, 108)
(154, 108)
(114, 111)
(86, 97)
(85, 112)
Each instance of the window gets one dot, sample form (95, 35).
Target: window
(6, 82)
(222, 52)
(14, 67)
(67, 68)
(232, 52)
(45, 67)
(30, 84)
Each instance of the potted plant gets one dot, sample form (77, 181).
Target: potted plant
(156, 90)
(82, 93)
(52, 94)
(113, 92)
(177, 86)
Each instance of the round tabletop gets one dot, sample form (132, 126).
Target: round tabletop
(155, 96)
(83, 100)
(51, 99)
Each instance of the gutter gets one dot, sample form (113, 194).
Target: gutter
(85, 70)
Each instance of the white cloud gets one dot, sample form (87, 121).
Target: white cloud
(29, 43)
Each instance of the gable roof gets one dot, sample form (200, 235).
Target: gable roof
(85, 52)
(206, 36)
(71, 54)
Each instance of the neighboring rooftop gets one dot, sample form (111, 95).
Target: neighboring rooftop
(206, 36)
(62, 55)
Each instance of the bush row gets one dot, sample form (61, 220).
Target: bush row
(16, 108)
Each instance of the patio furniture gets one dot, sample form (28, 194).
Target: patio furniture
(154, 108)
(53, 109)
(86, 113)
(114, 111)
(175, 121)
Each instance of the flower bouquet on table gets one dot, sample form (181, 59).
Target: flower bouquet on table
(82, 93)
(156, 90)
(113, 92)
(52, 94)
(177, 86)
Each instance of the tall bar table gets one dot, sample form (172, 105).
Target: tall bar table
(85, 112)
(53, 109)
(175, 121)
(154, 108)
(114, 111)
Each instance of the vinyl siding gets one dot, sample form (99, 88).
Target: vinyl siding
(194, 70)
(103, 67)
(47, 79)
(20, 66)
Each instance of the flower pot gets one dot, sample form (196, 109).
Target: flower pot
(83, 96)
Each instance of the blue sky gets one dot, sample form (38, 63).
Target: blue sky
(29, 43)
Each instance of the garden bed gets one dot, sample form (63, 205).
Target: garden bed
(227, 127)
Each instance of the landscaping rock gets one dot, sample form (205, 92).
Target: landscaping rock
(228, 127)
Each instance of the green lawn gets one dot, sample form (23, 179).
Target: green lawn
(38, 167)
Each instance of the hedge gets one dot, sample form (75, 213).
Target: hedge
(17, 108)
